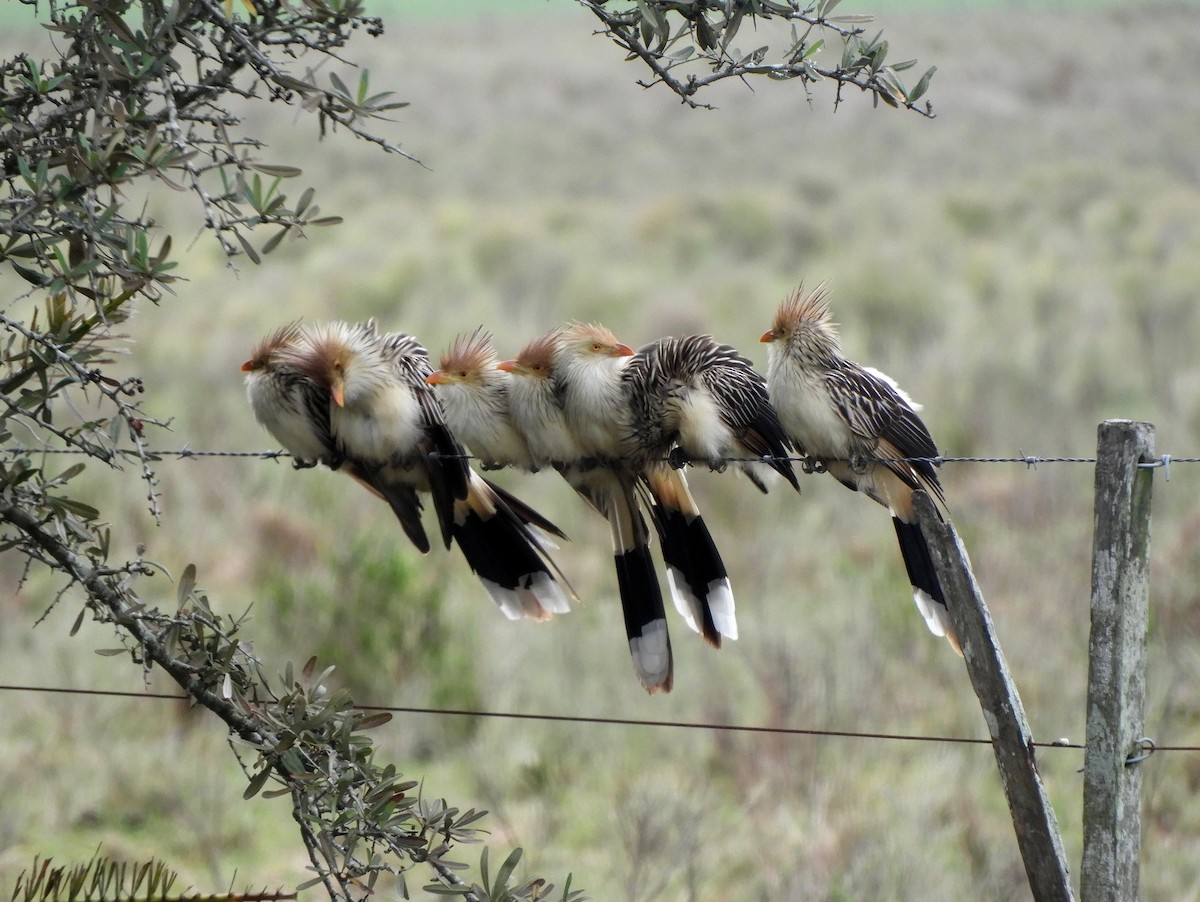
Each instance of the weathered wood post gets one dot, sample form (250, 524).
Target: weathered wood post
(1038, 836)
(1112, 830)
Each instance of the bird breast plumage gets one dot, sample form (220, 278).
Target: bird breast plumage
(538, 417)
(703, 434)
(597, 409)
(378, 425)
(807, 411)
(279, 405)
(479, 418)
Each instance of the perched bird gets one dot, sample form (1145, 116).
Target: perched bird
(535, 403)
(590, 365)
(860, 426)
(287, 403)
(536, 410)
(707, 401)
(473, 392)
(386, 424)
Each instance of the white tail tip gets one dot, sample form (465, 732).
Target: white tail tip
(651, 652)
(937, 618)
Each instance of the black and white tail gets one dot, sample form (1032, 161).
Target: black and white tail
(614, 495)
(922, 575)
(504, 554)
(699, 582)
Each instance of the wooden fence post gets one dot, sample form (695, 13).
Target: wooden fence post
(1112, 830)
(1037, 831)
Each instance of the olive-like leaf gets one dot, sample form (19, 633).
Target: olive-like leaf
(921, 86)
(257, 782)
(187, 582)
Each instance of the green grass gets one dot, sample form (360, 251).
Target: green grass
(1025, 264)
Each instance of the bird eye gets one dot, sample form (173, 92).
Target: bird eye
(462, 374)
(596, 346)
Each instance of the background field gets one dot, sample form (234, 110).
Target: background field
(1026, 264)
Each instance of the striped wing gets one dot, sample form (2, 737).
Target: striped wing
(883, 420)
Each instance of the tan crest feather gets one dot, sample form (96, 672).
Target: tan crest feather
(540, 351)
(284, 337)
(809, 315)
(590, 333)
(471, 352)
(327, 349)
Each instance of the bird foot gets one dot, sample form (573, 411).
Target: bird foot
(858, 463)
(303, 464)
(810, 465)
(678, 459)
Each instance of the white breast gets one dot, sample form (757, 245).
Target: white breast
(282, 413)
(806, 409)
(596, 408)
(541, 421)
(378, 424)
(702, 432)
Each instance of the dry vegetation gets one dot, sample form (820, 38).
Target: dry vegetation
(1026, 264)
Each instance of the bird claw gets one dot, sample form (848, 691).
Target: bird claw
(678, 459)
(858, 463)
(298, 464)
(810, 465)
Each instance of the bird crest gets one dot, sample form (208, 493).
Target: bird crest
(471, 352)
(538, 355)
(328, 350)
(283, 337)
(596, 338)
(805, 320)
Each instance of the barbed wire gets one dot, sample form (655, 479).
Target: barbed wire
(1031, 461)
(602, 721)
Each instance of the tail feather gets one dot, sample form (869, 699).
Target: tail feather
(687, 592)
(645, 619)
(614, 494)
(449, 475)
(922, 575)
(504, 556)
(525, 513)
(767, 439)
(400, 496)
(699, 582)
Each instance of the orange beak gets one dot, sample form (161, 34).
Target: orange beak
(338, 392)
(437, 377)
(249, 366)
(620, 350)
(769, 335)
(507, 365)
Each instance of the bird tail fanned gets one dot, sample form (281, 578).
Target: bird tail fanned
(504, 555)
(927, 589)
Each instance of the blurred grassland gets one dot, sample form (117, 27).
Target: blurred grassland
(1026, 264)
